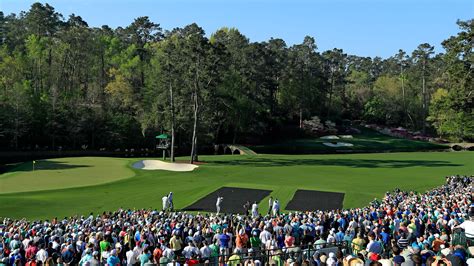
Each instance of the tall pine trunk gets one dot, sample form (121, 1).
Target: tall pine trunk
(423, 118)
(194, 156)
(172, 122)
(405, 111)
(330, 96)
(301, 117)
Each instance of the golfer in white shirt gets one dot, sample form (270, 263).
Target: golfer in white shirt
(276, 207)
(254, 210)
(164, 202)
(218, 204)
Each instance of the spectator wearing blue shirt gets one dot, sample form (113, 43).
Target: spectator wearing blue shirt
(342, 222)
(16, 256)
(113, 260)
(419, 228)
(137, 236)
(340, 235)
(224, 240)
(68, 255)
(374, 215)
(385, 237)
(280, 238)
(348, 237)
(374, 246)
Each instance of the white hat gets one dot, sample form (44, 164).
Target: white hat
(470, 261)
(386, 262)
(446, 251)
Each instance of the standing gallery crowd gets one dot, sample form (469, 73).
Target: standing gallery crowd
(404, 228)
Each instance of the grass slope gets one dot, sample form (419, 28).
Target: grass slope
(63, 173)
(360, 176)
(368, 141)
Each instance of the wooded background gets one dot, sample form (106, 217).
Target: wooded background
(63, 83)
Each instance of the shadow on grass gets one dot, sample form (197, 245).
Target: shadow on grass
(40, 165)
(261, 162)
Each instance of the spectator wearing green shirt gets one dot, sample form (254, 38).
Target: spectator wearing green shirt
(105, 244)
(255, 241)
(214, 247)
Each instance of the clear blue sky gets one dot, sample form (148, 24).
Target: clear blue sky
(362, 27)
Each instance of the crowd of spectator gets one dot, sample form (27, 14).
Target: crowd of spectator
(403, 228)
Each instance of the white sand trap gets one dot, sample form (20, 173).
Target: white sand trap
(160, 165)
(346, 136)
(329, 137)
(338, 144)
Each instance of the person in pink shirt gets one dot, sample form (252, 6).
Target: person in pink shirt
(30, 252)
(289, 240)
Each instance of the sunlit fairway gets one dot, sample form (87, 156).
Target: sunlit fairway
(360, 176)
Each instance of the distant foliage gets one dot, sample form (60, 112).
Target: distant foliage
(313, 126)
(65, 84)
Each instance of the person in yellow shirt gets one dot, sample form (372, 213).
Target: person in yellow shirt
(358, 244)
(412, 226)
(235, 259)
(176, 244)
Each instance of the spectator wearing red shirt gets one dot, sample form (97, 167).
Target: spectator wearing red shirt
(157, 253)
(30, 252)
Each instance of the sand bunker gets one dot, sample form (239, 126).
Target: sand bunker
(160, 165)
(338, 144)
(329, 137)
(345, 136)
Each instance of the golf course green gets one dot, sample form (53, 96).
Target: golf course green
(368, 140)
(70, 186)
(64, 173)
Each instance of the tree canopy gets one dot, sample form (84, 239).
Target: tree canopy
(64, 83)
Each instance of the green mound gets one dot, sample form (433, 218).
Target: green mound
(63, 173)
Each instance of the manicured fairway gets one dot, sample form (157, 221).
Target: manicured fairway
(360, 176)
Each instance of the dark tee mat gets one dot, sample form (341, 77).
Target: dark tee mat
(234, 199)
(310, 200)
